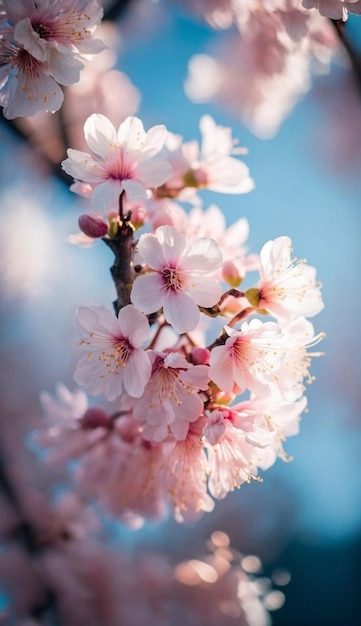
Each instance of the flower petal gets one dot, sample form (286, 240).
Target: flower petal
(181, 311)
(154, 172)
(106, 195)
(148, 293)
(134, 325)
(137, 373)
(100, 134)
(131, 134)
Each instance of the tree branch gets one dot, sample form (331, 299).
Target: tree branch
(355, 59)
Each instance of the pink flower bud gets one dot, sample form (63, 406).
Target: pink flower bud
(231, 273)
(93, 226)
(96, 417)
(200, 356)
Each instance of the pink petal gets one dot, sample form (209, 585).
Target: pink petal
(137, 373)
(181, 312)
(222, 368)
(134, 325)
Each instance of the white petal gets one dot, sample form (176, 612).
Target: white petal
(154, 140)
(135, 191)
(173, 244)
(181, 312)
(204, 290)
(154, 172)
(203, 256)
(106, 195)
(100, 134)
(148, 293)
(151, 251)
(131, 134)
(81, 166)
(64, 66)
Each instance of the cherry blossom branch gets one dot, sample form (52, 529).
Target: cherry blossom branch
(122, 270)
(355, 59)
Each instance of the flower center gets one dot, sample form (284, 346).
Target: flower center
(118, 357)
(173, 279)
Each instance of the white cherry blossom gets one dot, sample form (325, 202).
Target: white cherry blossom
(123, 160)
(287, 287)
(209, 165)
(177, 280)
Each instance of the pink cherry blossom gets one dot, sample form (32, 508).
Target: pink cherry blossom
(232, 460)
(114, 359)
(122, 160)
(185, 479)
(170, 400)
(42, 45)
(74, 427)
(210, 165)
(47, 28)
(177, 280)
(25, 85)
(249, 358)
(125, 474)
(287, 287)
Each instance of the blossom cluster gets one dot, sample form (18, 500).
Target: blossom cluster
(275, 46)
(194, 415)
(43, 44)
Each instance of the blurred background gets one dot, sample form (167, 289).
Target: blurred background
(305, 518)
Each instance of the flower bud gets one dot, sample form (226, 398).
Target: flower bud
(231, 274)
(96, 417)
(93, 226)
(200, 356)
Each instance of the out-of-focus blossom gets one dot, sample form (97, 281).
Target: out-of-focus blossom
(42, 46)
(261, 73)
(114, 359)
(210, 165)
(119, 161)
(335, 9)
(177, 280)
